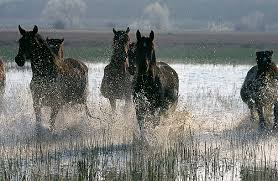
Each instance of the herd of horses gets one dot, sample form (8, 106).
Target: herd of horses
(133, 73)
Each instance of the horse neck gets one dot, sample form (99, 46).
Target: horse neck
(61, 52)
(144, 76)
(44, 62)
(267, 72)
(117, 56)
(152, 67)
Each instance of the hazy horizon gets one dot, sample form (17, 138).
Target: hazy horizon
(161, 15)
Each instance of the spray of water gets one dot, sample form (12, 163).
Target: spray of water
(64, 13)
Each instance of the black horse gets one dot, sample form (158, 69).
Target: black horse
(116, 82)
(55, 82)
(156, 84)
(260, 89)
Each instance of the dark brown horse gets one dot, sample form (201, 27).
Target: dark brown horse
(156, 84)
(116, 82)
(54, 82)
(260, 89)
(2, 81)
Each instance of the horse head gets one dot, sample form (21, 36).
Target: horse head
(121, 45)
(26, 45)
(145, 53)
(56, 45)
(264, 62)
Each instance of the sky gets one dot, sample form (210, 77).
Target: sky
(163, 15)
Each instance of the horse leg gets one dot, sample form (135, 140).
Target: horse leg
(156, 121)
(54, 112)
(127, 103)
(38, 114)
(262, 125)
(140, 118)
(113, 104)
(275, 125)
(252, 109)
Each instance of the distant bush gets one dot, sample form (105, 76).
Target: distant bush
(58, 24)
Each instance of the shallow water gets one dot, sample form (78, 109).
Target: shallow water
(206, 91)
(209, 104)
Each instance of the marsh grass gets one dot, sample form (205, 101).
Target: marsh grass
(225, 156)
(194, 54)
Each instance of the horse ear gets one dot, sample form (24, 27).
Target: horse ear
(21, 30)
(257, 54)
(35, 29)
(271, 52)
(62, 40)
(127, 30)
(138, 35)
(114, 31)
(47, 38)
(152, 35)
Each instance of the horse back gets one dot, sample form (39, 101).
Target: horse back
(169, 74)
(168, 80)
(73, 81)
(79, 66)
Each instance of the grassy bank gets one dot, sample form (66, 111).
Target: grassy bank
(214, 55)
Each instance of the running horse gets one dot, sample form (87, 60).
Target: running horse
(54, 82)
(156, 84)
(260, 89)
(116, 82)
(57, 46)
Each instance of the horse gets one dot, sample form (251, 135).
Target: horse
(116, 82)
(2, 80)
(156, 84)
(260, 89)
(54, 82)
(57, 46)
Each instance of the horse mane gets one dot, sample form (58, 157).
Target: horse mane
(2, 71)
(273, 68)
(154, 58)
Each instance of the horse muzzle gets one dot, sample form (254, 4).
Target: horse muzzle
(20, 61)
